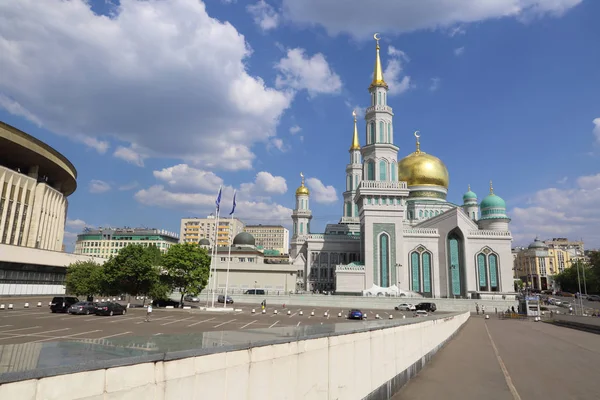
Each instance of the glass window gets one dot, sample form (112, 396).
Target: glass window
(383, 170)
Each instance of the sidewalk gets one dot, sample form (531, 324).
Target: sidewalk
(466, 368)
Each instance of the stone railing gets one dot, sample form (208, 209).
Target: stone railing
(489, 233)
(378, 108)
(353, 268)
(421, 231)
(382, 185)
(350, 220)
(328, 236)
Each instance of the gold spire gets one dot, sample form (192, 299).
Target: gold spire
(491, 188)
(302, 190)
(469, 188)
(418, 142)
(378, 72)
(355, 142)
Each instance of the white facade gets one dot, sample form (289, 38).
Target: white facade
(32, 213)
(403, 233)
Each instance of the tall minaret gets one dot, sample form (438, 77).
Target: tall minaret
(380, 155)
(301, 215)
(353, 175)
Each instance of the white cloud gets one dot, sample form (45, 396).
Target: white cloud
(77, 224)
(459, 51)
(596, 130)
(298, 71)
(398, 16)
(278, 144)
(264, 15)
(184, 177)
(295, 129)
(321, 193)
(98, 186)
(435, 84)
(140, 76)
(457, 30)
(393, 72)
(129, 186)
(360, 111)
(15, 108)
(563, 180)
(553, 212)
(264, 183)
(130, 154)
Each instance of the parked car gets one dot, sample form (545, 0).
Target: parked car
(405, 307)
(429, 307)
(110, 308)
(593, 297)
(221, 299)
(255, 291)
(191, 299)
(165, 303)
(355, 314)
(83, 307)
(62, 303)
(421, 313)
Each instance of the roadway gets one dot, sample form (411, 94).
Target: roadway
(510, 360)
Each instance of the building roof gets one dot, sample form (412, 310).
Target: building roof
(244, 238)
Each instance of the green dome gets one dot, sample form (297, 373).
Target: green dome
(493, 201)
(469, 196)
(244, 239)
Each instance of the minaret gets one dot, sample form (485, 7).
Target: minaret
(493, 212)
(301, 215)
(380, 155)
(470, 206)
(353, 176)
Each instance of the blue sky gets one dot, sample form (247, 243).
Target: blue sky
(157, 103)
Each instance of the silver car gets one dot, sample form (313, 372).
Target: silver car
(191, 299)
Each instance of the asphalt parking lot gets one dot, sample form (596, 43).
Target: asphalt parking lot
(35, 325)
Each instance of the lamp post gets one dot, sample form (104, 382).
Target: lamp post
(579, 283)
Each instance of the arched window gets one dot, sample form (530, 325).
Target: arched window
(372, 133)
(371, 171)
(384, 259)
(301, 228)
(426, 272)
(381, 133)
(356, 210)
(348, 183)
(355, 182)
(390, 133)
(296, 228)
(393, 174)
(383, 170)
(348, 209)
(482, 272)
(455, 264)
(410, 215)
(415, 274)
(420, 213)
(384, 99)
(493, 265)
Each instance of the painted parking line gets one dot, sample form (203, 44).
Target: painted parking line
(299, 322)
(177, 320)
(48, 316)
(248, 324)
(155, 319)
(35, 334)
(21, 329)
(293, 314)
(22, 314)
(276, 322)
(124, 319)
(4, 326)
(111, 336)
(216, 326)
(199, 322)
(66, 336)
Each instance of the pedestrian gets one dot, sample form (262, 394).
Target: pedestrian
(477, 308)
(148, 313)
(513, 309)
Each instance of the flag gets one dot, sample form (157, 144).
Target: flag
(233, 209)
(218, 201)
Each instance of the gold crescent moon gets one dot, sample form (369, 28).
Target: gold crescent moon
(375, 37)
(417, 134)
(354, 113)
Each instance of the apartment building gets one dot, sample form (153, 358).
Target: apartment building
(270, 237)
(192, 230)
(107, 242)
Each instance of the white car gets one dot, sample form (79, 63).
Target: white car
(421, 313)
(191, 299)
(405, 307)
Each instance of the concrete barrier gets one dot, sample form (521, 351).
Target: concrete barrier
(372, 362)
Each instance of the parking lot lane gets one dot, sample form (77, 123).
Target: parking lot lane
(276, 322)
(53, 338)
(177, 320)
(199, 322)
(248, 324)
(224, 323)
(112, 336)
(20, 329)
(30, 334)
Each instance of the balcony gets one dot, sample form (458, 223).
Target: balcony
(378, 108)
(382, 185)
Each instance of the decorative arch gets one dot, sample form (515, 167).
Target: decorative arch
(371, 170)
(487, 270)
(420, 261)
(381, 133)
(383, 167)
(415, 272)
(456, 269)
(384, 259)
(420, 214)
(372, 132)
(393, 171)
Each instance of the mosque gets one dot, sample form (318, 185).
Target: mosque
(397, 228)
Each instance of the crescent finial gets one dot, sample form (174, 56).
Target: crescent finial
(417, 134)
(377, 37)
(354, 113)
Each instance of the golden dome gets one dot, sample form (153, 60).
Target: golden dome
(422, 169)
(302, 190)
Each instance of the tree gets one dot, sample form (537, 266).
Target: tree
(134, 270)
(187, 267)
(84, 278)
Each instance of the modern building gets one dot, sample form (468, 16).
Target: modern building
(249, 268)
(194, 229)
(397, 229)
(35, 181)
(270, 237)
(107, 242)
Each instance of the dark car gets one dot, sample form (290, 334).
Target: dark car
(355, 314)
(83, 307)
(165, 303)
(593, 297)
(110, 308)
(429, 307)
(255, 291)
(62, 303)
(221, 299)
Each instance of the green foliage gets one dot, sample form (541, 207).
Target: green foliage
(187, 267)
(84, 278)
(134, 270)
(568, 281)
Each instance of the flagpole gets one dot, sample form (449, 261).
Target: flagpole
(215, 269)
(213, 260)
(229, 252)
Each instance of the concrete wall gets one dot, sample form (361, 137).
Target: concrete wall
(372, 364)
(14, 289)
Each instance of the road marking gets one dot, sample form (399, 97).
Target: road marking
(22, 314)
(111, 336)
(177, 320)
(293, 314)
(299, 322)
(21, 329)
(249, 323)
(47, 316)
(64, 337)
(37, 334)
(154, 319)
(199, 322)
(276, 322)
(4, 326)
(509, 382)
(216, 326)
(124, 319)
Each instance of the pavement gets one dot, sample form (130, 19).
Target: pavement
(510, 360)
(34, 325)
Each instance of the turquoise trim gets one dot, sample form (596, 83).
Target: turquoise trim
(493, 271)
(389, 229)
(384, 258)
(482, 271)
(414, 272)
(426, 273)
(455, 265)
